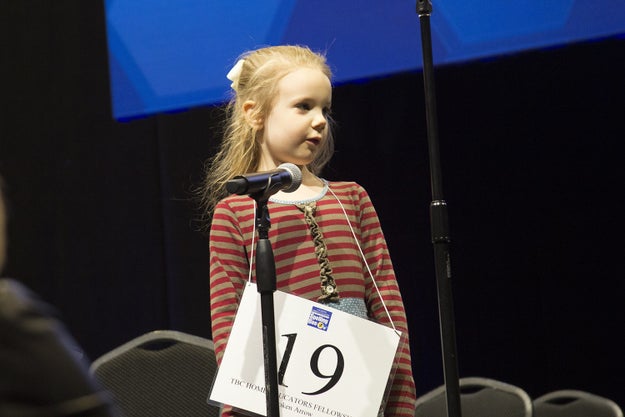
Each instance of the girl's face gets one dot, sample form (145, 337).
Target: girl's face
(297, 124)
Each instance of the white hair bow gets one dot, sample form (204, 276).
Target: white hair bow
(234, 74)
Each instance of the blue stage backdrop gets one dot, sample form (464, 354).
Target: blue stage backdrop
(171, 55)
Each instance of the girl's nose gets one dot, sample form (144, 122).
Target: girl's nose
(319, 122)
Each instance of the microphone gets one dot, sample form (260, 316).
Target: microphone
(287, 177)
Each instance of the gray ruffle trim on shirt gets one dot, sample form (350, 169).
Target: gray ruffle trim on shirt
(318, 197)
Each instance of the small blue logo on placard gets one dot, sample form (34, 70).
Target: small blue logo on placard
(319, 318)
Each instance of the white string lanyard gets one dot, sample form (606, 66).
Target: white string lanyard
(364, 260)
(249, 276)
(357, 244)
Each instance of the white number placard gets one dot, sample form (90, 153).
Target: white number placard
(331, 363)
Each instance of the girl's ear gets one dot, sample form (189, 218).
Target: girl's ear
(251, 115)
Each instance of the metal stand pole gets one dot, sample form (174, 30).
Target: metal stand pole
(266, 281)
(439, 223)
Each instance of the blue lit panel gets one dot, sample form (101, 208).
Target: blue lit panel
(169, 55)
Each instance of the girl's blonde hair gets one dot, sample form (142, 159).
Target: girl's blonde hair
(239, 152)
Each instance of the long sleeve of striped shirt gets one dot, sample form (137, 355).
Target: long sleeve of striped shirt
(339, 206)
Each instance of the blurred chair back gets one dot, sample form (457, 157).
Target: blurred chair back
(479, 397)
(574, 403)
(163, 373)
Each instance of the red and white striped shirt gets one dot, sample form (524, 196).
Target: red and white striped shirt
(298, 271)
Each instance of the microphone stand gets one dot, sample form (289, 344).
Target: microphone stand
(266, 285)
(439, 223)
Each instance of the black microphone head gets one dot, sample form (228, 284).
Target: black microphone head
(237, 185)
(296, 176)
(286, 177)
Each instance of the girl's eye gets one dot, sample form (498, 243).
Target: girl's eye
(303, 106)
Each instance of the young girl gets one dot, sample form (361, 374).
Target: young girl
(281, 113)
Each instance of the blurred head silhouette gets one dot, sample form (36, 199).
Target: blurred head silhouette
(41, 373)
(3, 228)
